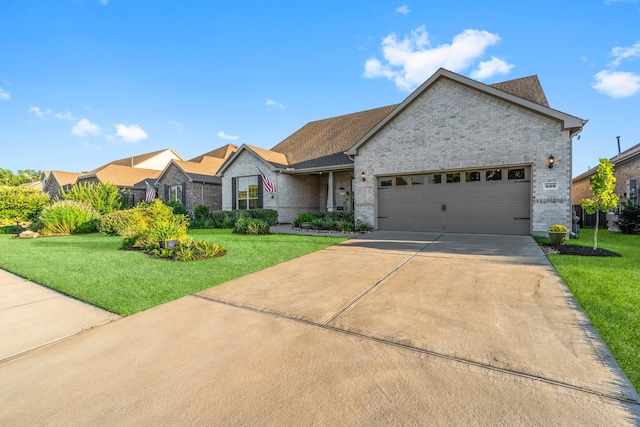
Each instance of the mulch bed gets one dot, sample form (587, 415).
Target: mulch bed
(577, 250)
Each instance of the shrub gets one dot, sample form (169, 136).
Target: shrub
(303, 217)
(363, 227)
(558, 228)
(105, 197)
(146, 224)
(67, 217)
(201, 213)
(629, 218)
(177, 207)
(19, 204)
(246, 225)
(115, 223)
(346, 227)
(189, 250)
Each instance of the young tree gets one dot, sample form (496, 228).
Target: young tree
(603, 183)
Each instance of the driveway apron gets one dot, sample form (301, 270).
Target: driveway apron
(389, 328)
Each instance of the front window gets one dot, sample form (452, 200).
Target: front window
(175, 193)
(247, 193)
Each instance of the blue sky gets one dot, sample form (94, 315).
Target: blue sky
(84, 82)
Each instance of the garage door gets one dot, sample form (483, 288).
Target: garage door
(495, 201)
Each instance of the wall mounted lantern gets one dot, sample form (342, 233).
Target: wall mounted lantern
(552, 160)
(364, 176)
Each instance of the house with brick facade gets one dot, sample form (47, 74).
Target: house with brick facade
(627, 173)
(456, 155)
(194, 182)
(131, 174)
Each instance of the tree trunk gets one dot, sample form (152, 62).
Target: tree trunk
(595, 233)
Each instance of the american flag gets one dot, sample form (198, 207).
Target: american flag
(269, 186)
(150, 194)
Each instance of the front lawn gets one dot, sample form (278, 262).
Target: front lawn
(91, 267)
(608, 290)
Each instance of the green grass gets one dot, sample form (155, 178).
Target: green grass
(91, 268)
(608, 290)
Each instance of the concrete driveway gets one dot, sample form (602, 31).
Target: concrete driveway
(391, 328)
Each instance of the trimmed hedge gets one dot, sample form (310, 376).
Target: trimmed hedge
(19, 204)
(227, 219)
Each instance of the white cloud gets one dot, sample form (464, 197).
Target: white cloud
(38, 112)
(622, 53)
(65, 116)
(404, 9)
(223, 135)
(85, 128)
(493, 67)
(4, 95)
(617, 84)
(410, 61)
(131, 133)
(272, 103)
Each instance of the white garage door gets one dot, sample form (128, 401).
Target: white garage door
(494, 201)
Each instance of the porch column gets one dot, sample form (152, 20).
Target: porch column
(330, 197)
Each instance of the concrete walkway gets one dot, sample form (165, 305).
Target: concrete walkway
(33, 316)
(384, 329)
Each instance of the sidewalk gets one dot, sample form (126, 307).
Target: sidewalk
(33, 316)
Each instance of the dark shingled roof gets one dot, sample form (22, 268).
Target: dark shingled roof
(329, 136)
(528, 88)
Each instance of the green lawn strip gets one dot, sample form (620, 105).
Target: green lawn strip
(91, 268)
(608, 290)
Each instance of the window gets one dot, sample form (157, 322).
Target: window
(472, 176)
(401, 180)
(417, 180)
(247, 192)
(175, 193)
(437, 179)
(385, 182)
(516, 173)
(493, 175)
(453, 177)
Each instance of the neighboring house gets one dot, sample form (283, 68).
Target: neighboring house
(626, 171)
(455, 156)
(131, 173)
(193, 182)
(129, 179)
(53, 181)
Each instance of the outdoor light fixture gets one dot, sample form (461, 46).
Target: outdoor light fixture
(364, 176)
(552, 160)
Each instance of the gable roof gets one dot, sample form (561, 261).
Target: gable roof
(63, 178)
(122, 176)
(134, 161)
(200, 171)
(329, 136)
(572, 123)
(526, 87)
(222, 153)
(268, 157)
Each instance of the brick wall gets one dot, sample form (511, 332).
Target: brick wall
(452, 126)
(197, 193)
(295, 193)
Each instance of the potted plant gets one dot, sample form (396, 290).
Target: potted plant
(557, 234)
(167, 233)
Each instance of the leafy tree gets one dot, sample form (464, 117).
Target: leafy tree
(105, 197)
(7, 177)
(603, 183)
(21, 203)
